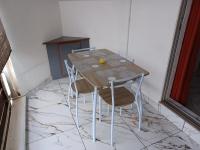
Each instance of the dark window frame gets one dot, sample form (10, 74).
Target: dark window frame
(179, 109)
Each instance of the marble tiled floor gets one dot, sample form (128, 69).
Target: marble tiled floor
(51, 125)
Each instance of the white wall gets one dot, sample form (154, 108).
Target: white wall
(153, 25)
(28, 23)
(105, 22)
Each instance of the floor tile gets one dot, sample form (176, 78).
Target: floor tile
(155, 127)
(44, 98)
(51, 125)
(178, 141)
(123, 138)
(48, 121)
(69, 140)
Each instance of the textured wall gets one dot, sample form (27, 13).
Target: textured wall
(28, 23)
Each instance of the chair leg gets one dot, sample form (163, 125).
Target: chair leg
(108, 110)
(92, 96)
(94, 115)
(84, 99)
(131, 106)
(139, 121)
(139, 113)
(141, 105)
(141, 110)
(77, 120)
(70, 92)
(112, 125)
(68, 97)
(120, 111)
(100, 107)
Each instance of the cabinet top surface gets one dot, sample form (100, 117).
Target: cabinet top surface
(66, 39)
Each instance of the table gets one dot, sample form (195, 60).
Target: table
(98, 75)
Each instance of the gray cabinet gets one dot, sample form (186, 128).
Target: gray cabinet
(58, 50)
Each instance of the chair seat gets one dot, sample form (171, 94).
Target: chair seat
(83, 86)
(123, 96)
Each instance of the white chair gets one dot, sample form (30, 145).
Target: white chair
(77, 86)
(77, 51)
(108, 107)
(117, 96)
(83, 50)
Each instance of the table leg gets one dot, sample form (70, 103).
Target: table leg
(94, 115)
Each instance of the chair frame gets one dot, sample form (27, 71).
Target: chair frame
(72, 78)
(138, 98)
(83, 49)
(72, 74)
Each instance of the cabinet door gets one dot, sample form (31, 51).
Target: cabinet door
(85, 43)
(54, 60)
(65, 49)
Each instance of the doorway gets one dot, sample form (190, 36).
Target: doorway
(182, 88)
(193, 99)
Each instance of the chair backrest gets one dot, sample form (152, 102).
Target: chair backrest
(131, 59)
(83, 49)
(70, 71)
(132, 80)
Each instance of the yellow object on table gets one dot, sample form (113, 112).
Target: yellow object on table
(102, 61)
